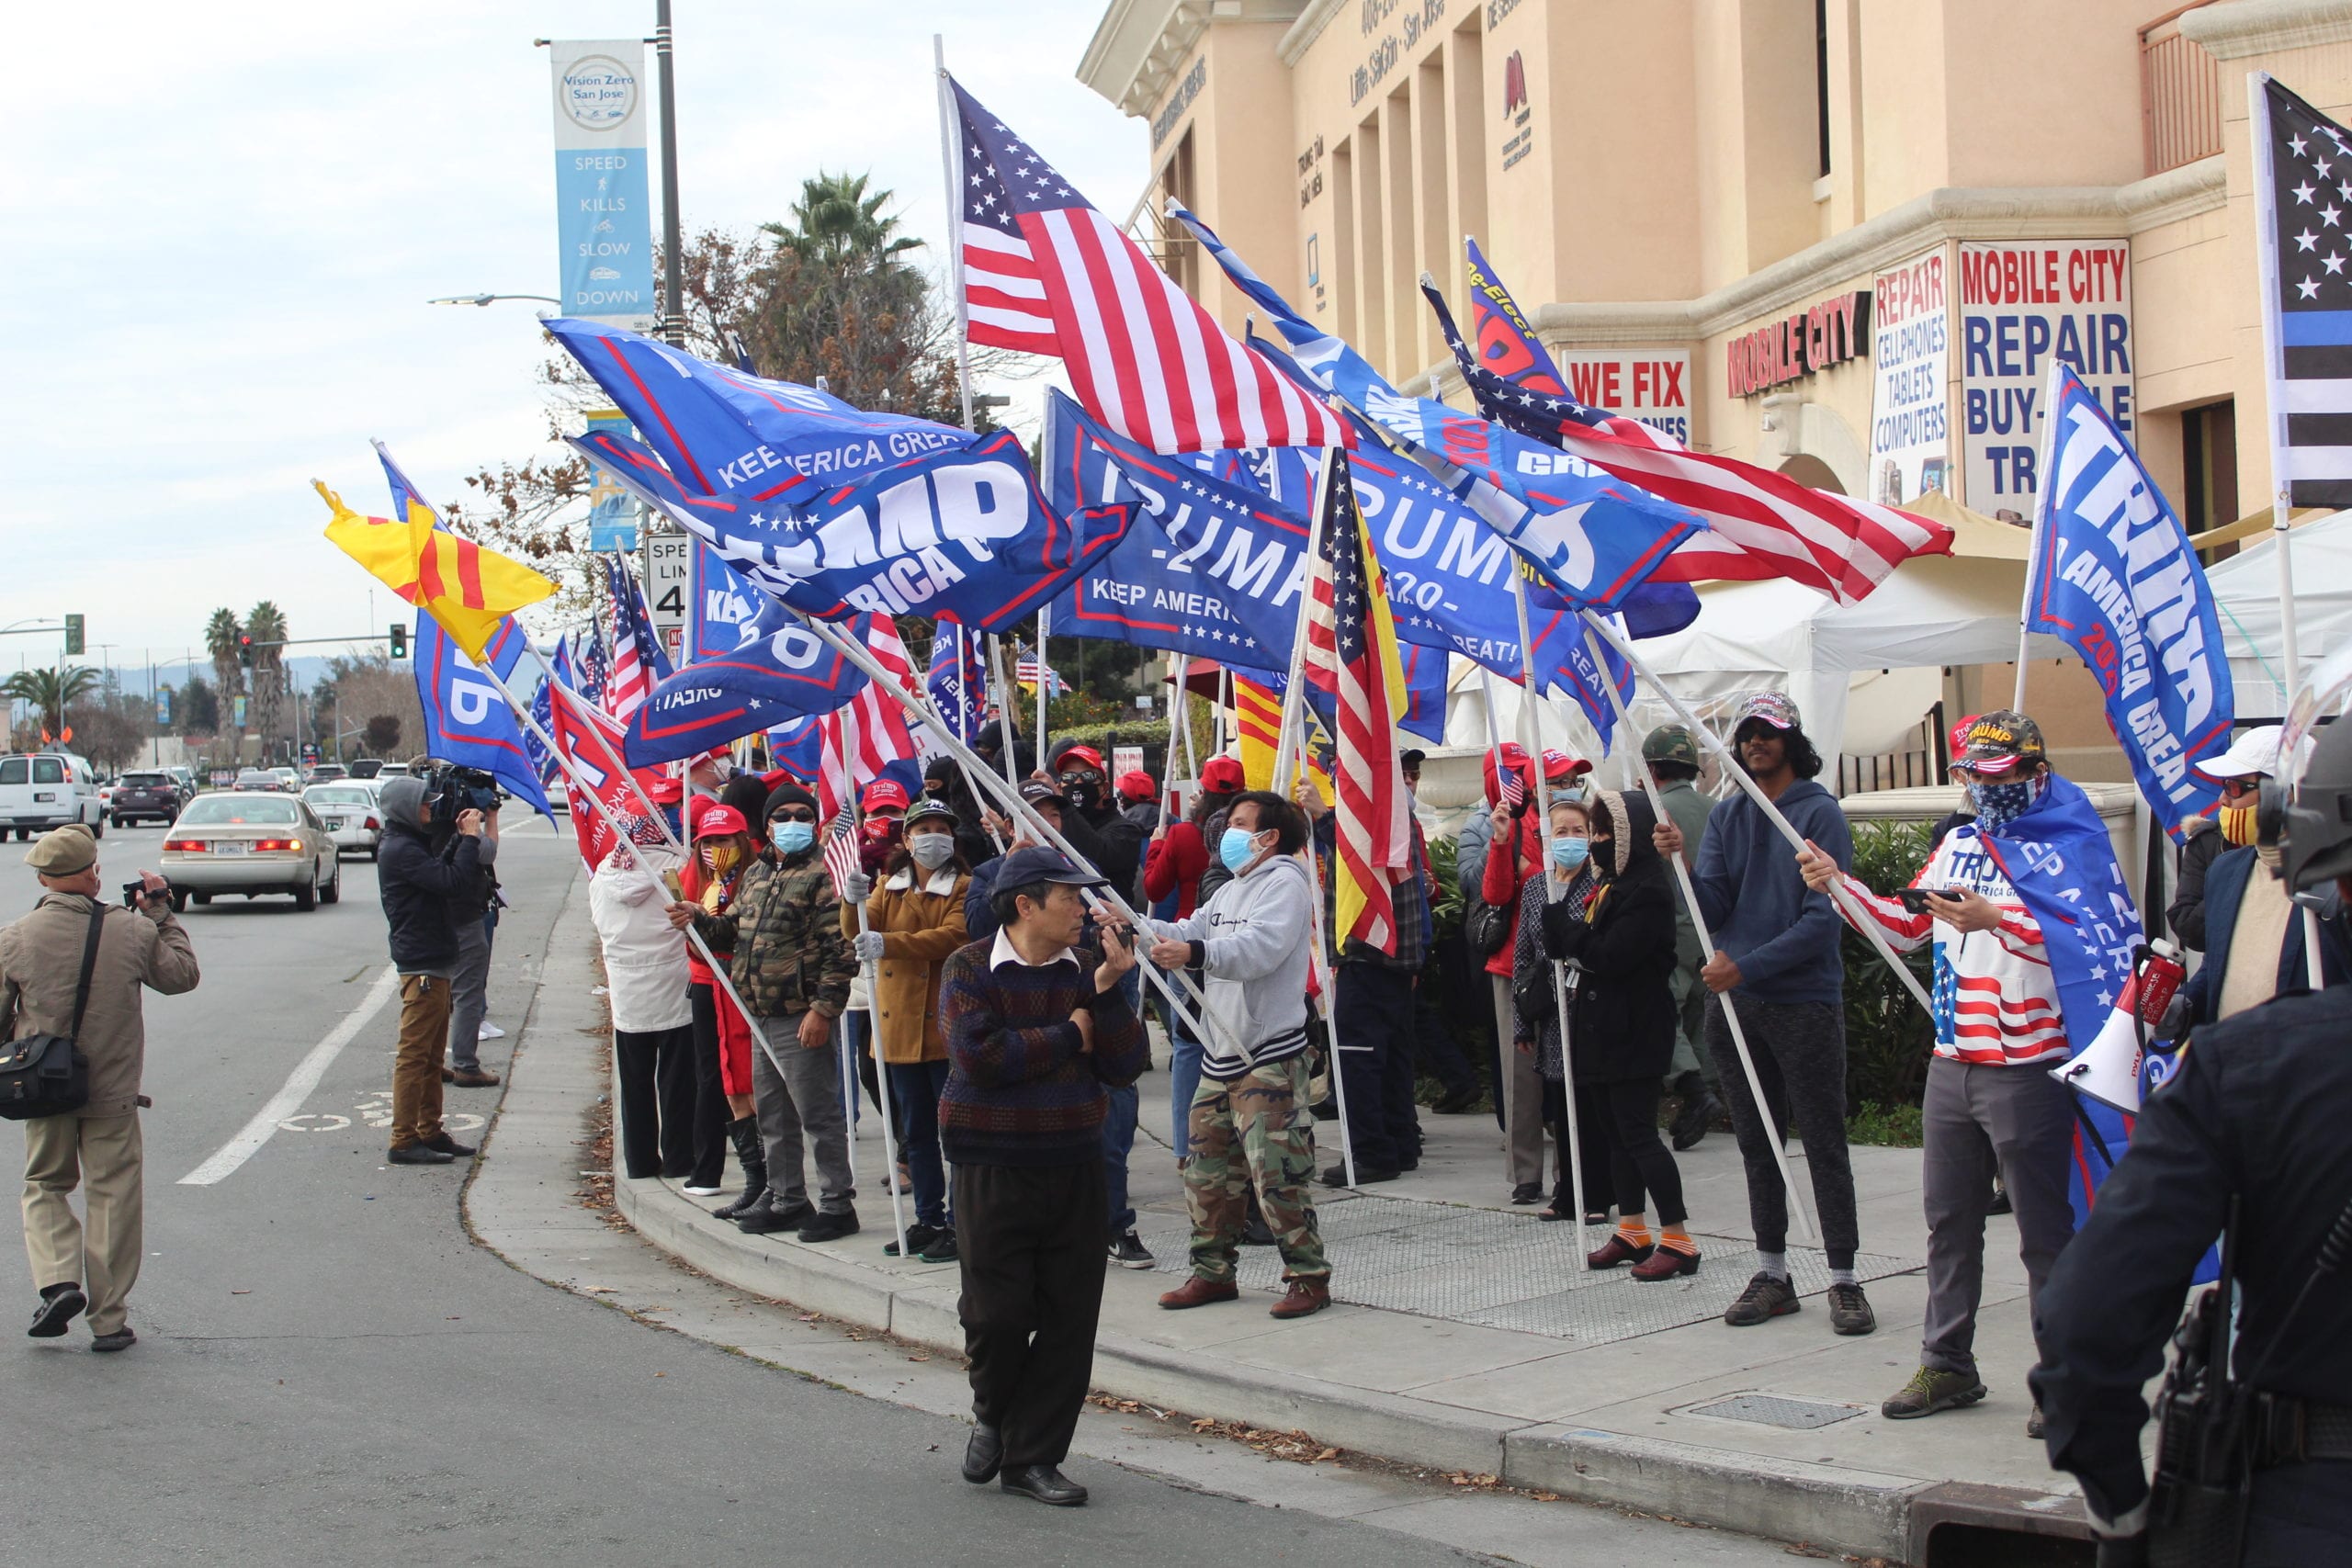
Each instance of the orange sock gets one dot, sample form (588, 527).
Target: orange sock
(1676, 1238)
(1634, 1231)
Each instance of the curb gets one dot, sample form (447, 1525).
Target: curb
(1858, 1512)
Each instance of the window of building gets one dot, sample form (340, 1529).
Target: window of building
(1821, 81)
(2209, 466)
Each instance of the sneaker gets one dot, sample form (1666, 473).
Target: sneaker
(2000, 1202)
(1692, 1123)
(828, 1227)
(918, 1236)
(1849, 1311)
(1768, 1296)
(1527, 1193)
(702, 1190)
(2034, 1423)
(1128, 1252)
(1930, 1391)
(943, 1248)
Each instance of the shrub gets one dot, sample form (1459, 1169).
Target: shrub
(1888, 1039)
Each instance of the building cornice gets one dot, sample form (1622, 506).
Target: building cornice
(1953, 212)
(2261, 27)
(1139, 45)
(1307, 30)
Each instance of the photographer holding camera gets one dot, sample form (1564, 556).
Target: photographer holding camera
(73, 969)
(430, 863)
(474, 915)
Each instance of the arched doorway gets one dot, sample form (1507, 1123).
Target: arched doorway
(1813, 473)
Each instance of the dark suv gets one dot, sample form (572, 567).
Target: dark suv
(146, 796)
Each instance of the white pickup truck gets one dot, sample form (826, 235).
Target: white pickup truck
(42, 790)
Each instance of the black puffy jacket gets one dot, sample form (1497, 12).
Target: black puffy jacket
(1624, 1022)
(418, 884)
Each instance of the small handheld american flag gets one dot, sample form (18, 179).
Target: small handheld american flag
(841, 857)
(1512, 788)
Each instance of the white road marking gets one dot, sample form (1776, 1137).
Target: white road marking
(288, 1100)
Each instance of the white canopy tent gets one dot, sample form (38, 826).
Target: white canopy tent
(2245, 589)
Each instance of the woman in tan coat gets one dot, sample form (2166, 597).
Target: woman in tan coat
(915, 918)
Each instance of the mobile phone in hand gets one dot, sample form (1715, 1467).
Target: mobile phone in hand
(1920, 900)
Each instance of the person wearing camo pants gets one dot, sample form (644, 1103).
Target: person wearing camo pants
(1249, 1126)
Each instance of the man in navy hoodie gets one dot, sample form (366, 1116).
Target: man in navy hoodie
(1777, 961)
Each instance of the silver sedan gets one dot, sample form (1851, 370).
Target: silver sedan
(350, 813)
(252, 844)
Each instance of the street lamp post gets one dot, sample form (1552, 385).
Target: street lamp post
(673, 324)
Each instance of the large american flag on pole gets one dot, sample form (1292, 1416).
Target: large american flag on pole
(867, 733)
(2303, 197)
(1351, 653)
(1045, 273)
(1760, 523)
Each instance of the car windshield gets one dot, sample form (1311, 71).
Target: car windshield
(339, 795)
(228, 809)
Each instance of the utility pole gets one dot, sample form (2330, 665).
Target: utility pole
(673, 268)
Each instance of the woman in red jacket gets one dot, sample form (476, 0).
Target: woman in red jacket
(723, 847)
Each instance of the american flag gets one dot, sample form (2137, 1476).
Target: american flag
(595, 670)
(869, 732)
(1352, 652)
(1025, 675)
(1760, 523)
(638, 664)
(1045, 273)
(841, 858)
(2302, 193)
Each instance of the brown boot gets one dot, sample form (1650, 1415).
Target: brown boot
(472, 1077)
(1197, 1291)
(1304, 1298)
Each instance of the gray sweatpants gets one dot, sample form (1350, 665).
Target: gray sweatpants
(1800, 1050)
(1976, 1118)
(469, 994)
(801, 1104)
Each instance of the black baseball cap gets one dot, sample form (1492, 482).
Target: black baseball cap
(1035, 863)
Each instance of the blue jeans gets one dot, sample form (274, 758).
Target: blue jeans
(1118, 1138)
(914, 1101)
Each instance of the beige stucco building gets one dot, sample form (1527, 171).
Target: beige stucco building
(1839, 238)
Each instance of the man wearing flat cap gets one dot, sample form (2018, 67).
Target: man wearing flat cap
(89, 1267)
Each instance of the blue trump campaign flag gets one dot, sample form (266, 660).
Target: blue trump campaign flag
(465, 719)
(2112, 572)
(957, 680)
(798, 746)
(1593, 536)
(723, 611)
(961, 534)
(1205, 568)
(728, 695)
(543, 711)
(721, 429)
(595, 670)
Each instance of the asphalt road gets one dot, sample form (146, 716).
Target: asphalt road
(330, 1371)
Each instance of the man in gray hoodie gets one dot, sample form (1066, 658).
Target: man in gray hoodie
(1250, 1125)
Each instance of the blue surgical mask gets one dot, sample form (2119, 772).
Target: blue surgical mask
(792, 837)
(1569, 853)
(1236, 848)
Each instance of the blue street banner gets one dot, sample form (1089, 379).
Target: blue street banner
(602, 197)
(2113, 574)
(960, 532)
(465, 719)
(722, 429)
(612, 511)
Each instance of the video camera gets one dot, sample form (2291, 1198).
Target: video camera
(451, 789)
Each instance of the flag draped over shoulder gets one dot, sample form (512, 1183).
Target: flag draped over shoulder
(1045, 273)
(467, 589)
(2112, 572)
(1351, 654)
(1760, 523)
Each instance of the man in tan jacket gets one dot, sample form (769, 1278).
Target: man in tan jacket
(40, 965)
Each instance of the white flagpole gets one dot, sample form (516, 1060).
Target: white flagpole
(2044, 499)
(2274, 361)
(1285, 734)
(1045, 616)
(1004, 689)
(948, 143)
(1531, 722)
(1800, 1202)
(881, 1068)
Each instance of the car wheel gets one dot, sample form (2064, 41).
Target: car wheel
(333, 893)
(98, 828)
(179, 900)
(202, 899)
(306, 895)
(374, 852)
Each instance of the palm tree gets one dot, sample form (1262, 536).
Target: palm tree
(220, 635)
(52, 692)
(266, 623)
(836, 225)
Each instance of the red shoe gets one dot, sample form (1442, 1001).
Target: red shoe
(1667, 1263)
(1616, 1250)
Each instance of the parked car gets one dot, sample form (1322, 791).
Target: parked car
(350, 813)
(40, 790)
(251, 843)
(366, 767)
(145, 797)
(265, 780)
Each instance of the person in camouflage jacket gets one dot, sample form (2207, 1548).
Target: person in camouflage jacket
(792, 967)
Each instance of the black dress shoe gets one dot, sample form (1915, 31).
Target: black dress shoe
(121, 1340)
(1337, 1176)
(447, 1145)
(823, 1226)
(419, 1154)
(982, 1454)
(765, 1217)
(1044, 1483)
(60, 1305)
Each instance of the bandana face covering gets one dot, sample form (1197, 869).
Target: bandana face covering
(722, 857)
(1999, 805)
(2237, 825)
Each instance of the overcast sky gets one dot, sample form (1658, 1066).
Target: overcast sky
(227, 220)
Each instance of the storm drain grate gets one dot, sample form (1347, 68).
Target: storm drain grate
(1772, 1410)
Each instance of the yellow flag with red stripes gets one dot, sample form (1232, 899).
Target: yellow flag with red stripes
(467, 589)
(1257, 722)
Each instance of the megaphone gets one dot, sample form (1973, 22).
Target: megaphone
(2108, 1069)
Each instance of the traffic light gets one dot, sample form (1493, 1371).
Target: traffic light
(400, 640)
(73, 633)
(244, 650)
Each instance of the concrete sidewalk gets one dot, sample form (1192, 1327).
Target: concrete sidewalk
(1513, 1360)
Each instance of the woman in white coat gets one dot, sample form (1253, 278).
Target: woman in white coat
(645, 979)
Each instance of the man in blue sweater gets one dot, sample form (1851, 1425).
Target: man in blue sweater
(1777, 960)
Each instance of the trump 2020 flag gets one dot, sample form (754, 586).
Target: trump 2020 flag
(466, 719)
(957, 680)
(2112, 573)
